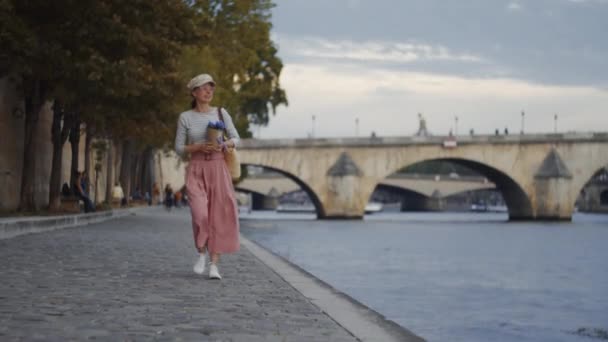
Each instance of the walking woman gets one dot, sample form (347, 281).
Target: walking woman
(208, 182)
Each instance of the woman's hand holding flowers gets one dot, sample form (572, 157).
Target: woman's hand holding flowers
(208, 148)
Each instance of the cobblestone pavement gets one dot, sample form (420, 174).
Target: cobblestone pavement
(131, 279)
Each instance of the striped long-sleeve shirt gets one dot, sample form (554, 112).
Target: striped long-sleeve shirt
(192, 128)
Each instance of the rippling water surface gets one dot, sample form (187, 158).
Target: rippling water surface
(457, 276)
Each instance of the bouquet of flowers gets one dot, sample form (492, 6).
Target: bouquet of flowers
(215, 132)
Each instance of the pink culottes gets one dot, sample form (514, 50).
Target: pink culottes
(213, 206)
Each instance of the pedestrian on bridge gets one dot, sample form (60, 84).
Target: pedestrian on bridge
(208, 182)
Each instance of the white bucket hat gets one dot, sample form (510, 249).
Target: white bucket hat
(199, 81)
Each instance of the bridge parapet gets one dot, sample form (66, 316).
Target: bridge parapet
(574, 137)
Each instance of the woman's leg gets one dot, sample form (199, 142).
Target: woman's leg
(198, 209)
(215, 258)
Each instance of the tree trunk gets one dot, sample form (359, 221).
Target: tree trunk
(133, 166)
(161, 183)
(87, 153)
(126, 167)
(35, 95)
(110, 171)
(75, 143)
(96, 197)
(146, 172)
(136, 177)
(87, 158)
(59, 136)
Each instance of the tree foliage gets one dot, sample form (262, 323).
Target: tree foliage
(121, 66)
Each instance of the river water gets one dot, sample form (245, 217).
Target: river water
(457, 276)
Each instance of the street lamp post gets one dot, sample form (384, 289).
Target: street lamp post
(523, 115)
(456, 125)
(356, 127)
(312, 134)
(555, 123)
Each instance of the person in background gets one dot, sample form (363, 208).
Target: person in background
(178, 198)
(148, 198)
(136, 194)
(168, 196)
(84, 181)
(65, 190)
(155, 194)
(118, 195)
(184, 196)
(80, 193)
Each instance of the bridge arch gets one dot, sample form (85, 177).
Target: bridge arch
(604, 197)
(517, 201)
(305, 187)
(257, 198)
(598, 176)
(418, 198)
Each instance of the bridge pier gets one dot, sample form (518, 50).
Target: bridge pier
(343, 199)
(554, 200)
(554, 196)
(436, 202)
(347, 191)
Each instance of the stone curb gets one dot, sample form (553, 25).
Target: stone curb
(13, 227)
(361, 321)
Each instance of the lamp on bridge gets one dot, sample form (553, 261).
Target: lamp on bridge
(523, 115)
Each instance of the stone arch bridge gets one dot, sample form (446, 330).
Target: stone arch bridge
(539, 176)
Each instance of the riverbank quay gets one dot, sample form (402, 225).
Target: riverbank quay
(15, 226)
(131, 279)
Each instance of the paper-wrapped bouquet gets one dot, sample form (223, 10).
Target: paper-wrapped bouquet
(215, 132)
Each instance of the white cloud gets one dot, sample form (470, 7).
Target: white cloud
(370, 51)
(387, 102)
(514, 6)
(352, 80)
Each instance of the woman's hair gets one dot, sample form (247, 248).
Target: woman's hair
(193, 104)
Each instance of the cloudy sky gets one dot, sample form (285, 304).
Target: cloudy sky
(484, 61)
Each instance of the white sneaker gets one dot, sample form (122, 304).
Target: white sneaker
(213, 272)
(199, 267)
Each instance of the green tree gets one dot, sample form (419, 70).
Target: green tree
(100, 58)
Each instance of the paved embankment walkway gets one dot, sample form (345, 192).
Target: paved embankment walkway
(15, 226)
(131, 279)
